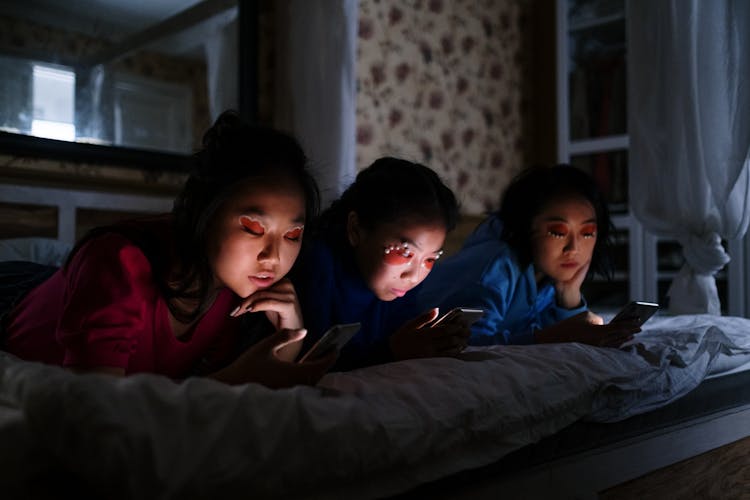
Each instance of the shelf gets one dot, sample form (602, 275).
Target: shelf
(599, 144)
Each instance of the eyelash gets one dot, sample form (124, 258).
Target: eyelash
(560, 235)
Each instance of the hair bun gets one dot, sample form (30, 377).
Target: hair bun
(224, 129)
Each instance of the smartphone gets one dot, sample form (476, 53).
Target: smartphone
(469, 314)
(335, 338)
(636, 311)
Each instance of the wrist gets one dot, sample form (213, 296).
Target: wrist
(569, 300)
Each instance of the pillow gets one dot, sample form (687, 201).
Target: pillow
(45, 251)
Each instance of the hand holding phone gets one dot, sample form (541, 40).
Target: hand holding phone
(636, 311)
(468, 314)
(335, 338)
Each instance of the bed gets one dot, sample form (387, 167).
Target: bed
(545, 421)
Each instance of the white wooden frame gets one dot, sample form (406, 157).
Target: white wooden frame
(68, 200)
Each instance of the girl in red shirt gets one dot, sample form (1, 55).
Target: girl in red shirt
(171, 294)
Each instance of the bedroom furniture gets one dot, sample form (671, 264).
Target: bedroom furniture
(592, 134)
(65, 214)
(586, 459)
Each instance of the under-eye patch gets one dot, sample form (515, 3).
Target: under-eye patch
(398, 254)
(429, 262)
(295, 233)
(252, 226)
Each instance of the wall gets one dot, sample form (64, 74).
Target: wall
(443, 83)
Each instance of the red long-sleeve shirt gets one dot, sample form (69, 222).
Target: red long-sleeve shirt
(105, 310)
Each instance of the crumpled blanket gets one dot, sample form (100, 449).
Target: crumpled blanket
(368, 433)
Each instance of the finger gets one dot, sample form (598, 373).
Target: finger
(424, 319)
(286, 337)
(242, 308)
(595, 319)
(282, 291)
(272, 304)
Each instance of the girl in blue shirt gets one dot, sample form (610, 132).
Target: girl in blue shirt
(524, 265)
(371, 248)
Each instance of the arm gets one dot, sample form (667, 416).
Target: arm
(568, 319)
(504, 320)
(263, 364)
(281, 305)
(587, 328)
(416, 340)
(107, 288)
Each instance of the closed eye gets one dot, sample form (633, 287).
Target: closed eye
(557, 230)
(294, 234)
(252, 226)
(589, 231)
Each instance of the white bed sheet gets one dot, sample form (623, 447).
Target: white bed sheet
(363, 434)
(45, 251)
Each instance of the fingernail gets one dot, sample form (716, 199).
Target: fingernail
(235, 311)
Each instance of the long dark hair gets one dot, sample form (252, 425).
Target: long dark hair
(532, 190)
(233, 151)
(390, 190)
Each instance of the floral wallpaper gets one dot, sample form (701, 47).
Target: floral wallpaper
(441, 83)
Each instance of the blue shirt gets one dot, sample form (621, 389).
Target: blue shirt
(485, 274)
(332, 291)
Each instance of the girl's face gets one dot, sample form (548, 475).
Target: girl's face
(394, 258)
(256, 235)
(563, 236)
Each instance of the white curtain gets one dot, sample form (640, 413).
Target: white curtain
(316, 91)
(689, 126)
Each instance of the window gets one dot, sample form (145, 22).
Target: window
(53, 97)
